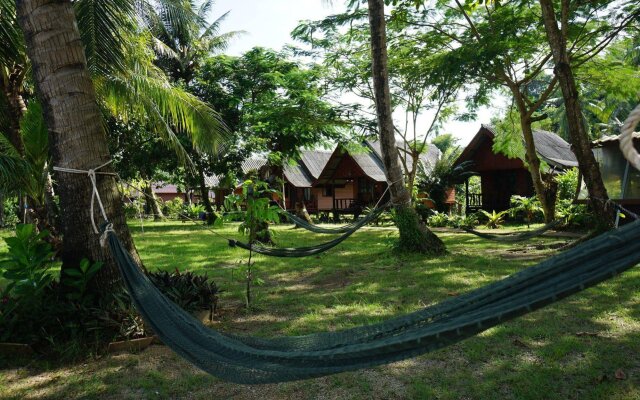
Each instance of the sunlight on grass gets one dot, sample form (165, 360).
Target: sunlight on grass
(558, 352)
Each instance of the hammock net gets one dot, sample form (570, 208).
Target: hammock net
(244, 359)
(309, 250)
(321, 229)
(516, 237)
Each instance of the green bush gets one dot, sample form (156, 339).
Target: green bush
(67, 321)
(190, 291)
(438, 220)
(567, 184)
(134, 208)
(173, 207)
(11, 208)
(574, 216)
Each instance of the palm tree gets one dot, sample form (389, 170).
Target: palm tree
(181, 43)
(414, 236)
(74, 121)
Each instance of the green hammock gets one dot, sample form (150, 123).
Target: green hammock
(309, 250)
(319, 229)
(256, 360)
(515, 237)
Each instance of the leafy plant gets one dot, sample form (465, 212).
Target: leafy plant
(193, 210)
(567, 184)
(28, 267)
(190, 291)
(79, 278)
(173, 207)
(438, 220)
(530, 207)
(573, 215)
(494, 220)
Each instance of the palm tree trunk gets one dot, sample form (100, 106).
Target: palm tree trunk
(76, 132)
(580, 142)
(414, 236)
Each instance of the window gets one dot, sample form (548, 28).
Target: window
(327, 191)
(365, 186)
(307, 194)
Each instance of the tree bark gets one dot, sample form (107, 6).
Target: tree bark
(210, 217)
(12, 85)
(581, 144)
(76, 133)
(545, 190)
(414, 236)
(152, 202)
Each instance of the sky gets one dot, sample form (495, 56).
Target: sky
(268, 23)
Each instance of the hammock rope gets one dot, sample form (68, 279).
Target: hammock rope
(308, 250)
(514, 237)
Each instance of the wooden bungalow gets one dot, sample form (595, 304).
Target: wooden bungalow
(502, 177)
(621, 180)
(351, 181)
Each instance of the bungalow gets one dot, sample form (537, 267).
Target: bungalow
(352, 180)
(502, 177)
(621, 180)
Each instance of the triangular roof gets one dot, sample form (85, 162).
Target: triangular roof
(550, 147)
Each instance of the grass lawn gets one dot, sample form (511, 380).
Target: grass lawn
(585, 347)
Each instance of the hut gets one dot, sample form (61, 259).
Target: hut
(502, 177)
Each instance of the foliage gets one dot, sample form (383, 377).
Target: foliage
(29, 263)
(574, 216)
(444, 177)
(190, 291)
(494, 220)
(134, 208)
(71, 320)
(193, 211)
(173, 208)
(256, 199)
(528, 207)
(453, 221)
(567, 184)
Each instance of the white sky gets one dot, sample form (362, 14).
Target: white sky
(268, 23)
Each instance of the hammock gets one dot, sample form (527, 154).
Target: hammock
(515, 237)
(309, 250)
(255, 360)
(319, 229)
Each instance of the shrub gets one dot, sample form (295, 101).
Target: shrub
(494, 220)
(173, 207)
(190, 291)
(37, 309)
(573, 216)
(567, 184)
(438, 220)
(134, 208)
(528, 209)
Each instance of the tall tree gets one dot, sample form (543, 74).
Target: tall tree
(76, 131)
(414, 236)
(580, 140)
(420, 104)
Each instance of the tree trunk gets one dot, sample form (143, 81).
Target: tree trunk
(581, 144)
(544, 190)
(414, 236)
(152, 202)
(1, 209)
(12, 88)
(76, 133)
(204, 196)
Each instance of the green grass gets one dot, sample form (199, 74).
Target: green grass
(569, 350)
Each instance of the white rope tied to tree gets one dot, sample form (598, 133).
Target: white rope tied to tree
(626, 138)
(91, 173)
